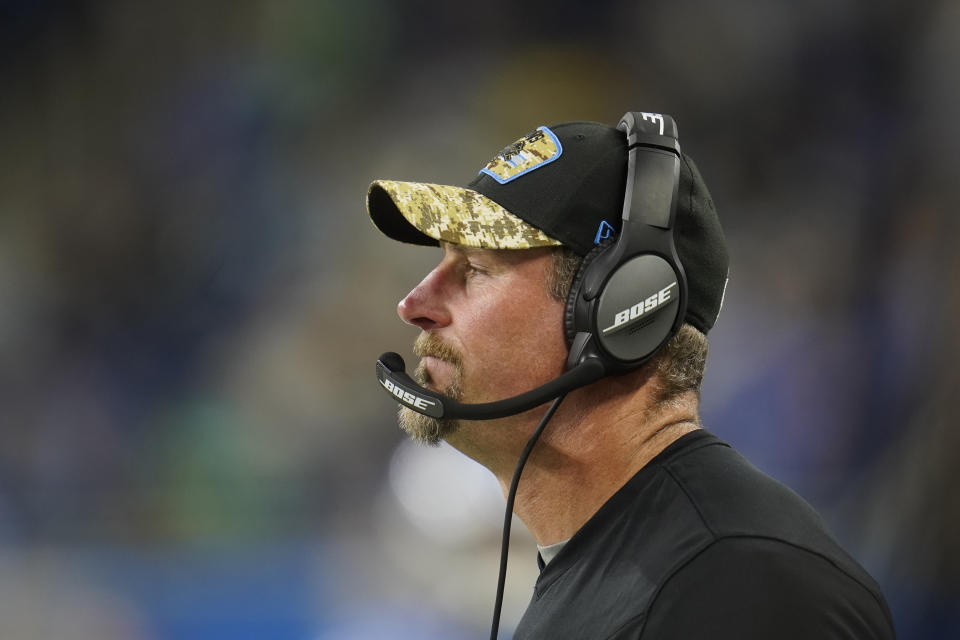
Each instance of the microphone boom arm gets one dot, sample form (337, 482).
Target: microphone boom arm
(391, 373)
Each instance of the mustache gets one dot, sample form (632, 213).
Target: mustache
(428, 344)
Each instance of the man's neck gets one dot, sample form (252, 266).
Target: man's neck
(571, 477)
(588, 451)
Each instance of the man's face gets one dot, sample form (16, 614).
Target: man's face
(491, 329)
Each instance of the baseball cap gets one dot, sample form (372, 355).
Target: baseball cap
(558, 185)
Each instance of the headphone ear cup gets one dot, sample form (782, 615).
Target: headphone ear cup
(570, 319)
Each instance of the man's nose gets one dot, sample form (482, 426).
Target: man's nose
(425, 305)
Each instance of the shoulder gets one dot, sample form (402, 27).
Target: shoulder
(702, 544)
(773, 569)
(754, 587)
(738, 502)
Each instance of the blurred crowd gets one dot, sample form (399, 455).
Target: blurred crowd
(192, 444)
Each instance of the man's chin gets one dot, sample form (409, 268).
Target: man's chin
(425, 429)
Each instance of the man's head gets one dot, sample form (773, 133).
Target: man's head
(560, 187)
(490, 329)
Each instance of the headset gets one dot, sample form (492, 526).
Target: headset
(628, 298)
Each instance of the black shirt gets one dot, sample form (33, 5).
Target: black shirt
(701, 544)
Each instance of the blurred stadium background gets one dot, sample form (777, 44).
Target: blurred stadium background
(192, 444)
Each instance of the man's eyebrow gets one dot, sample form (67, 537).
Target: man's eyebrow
(461, 249)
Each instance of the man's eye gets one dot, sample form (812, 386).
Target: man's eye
(475, 269)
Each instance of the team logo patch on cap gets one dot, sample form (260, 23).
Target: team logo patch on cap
(530, 152)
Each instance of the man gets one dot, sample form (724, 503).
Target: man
(648, 526)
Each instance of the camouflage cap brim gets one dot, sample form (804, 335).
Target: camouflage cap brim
(426, 214)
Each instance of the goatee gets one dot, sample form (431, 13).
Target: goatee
(422, 428)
